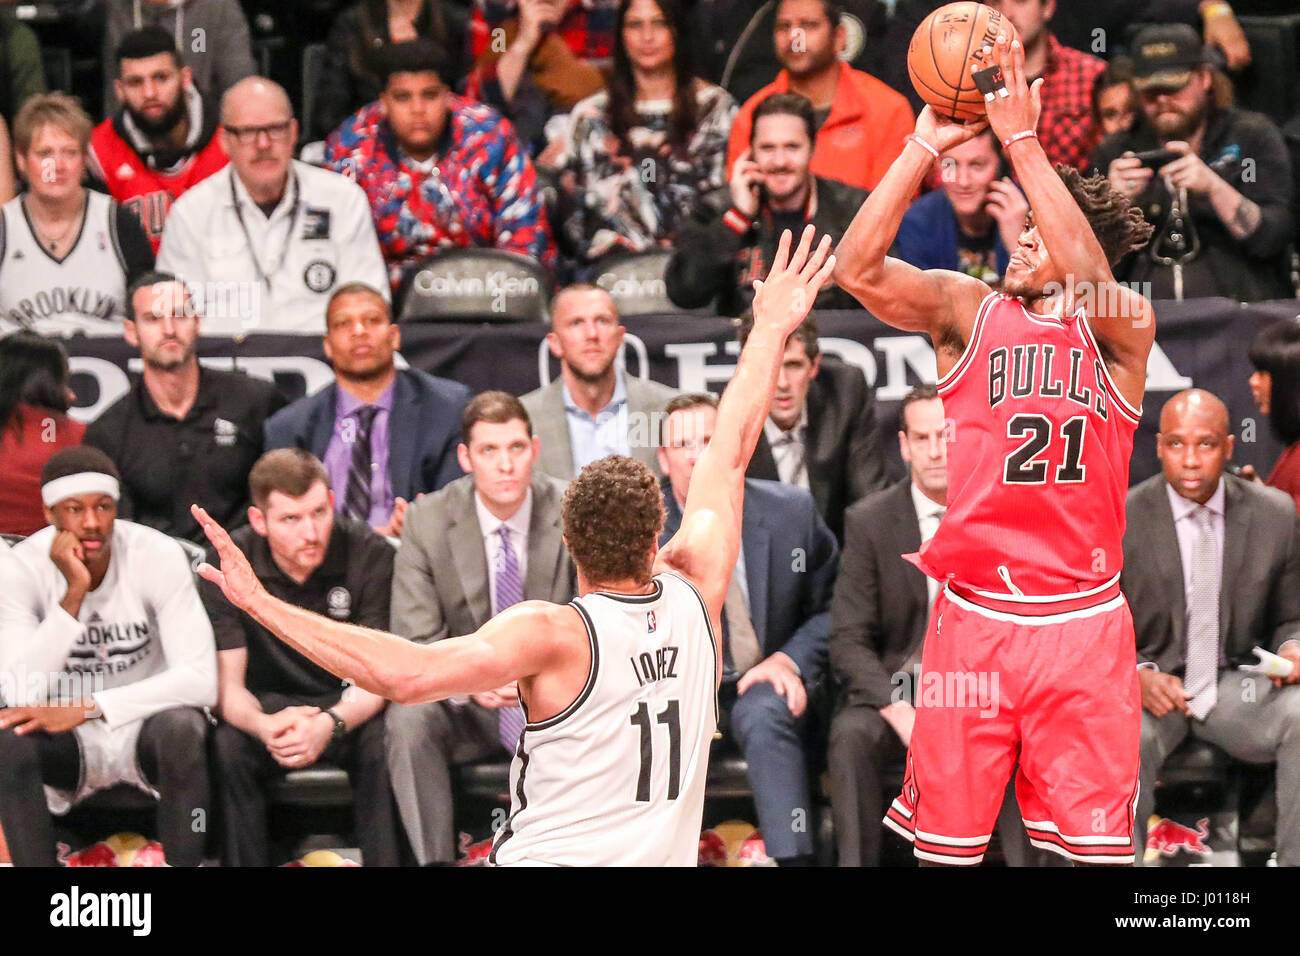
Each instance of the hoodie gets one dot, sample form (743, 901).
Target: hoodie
(212, 36)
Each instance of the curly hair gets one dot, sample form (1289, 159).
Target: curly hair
(613, 513)
(1116, 222)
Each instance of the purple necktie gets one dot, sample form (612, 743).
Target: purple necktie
(510, 591)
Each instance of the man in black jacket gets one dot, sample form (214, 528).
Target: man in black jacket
(1231, 184)
(821, 431)
(772, 189)
(1211, 571)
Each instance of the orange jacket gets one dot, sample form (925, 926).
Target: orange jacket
(862, 135)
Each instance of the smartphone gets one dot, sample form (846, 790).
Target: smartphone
(1155, 158)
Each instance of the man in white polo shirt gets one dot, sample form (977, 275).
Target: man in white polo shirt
(265, 241)
(106, 656)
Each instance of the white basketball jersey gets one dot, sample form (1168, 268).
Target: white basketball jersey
(85, 291)
(617, 779)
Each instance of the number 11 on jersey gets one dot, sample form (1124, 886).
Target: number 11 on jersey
(670, 717)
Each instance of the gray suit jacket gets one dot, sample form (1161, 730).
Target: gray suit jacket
(440, 577)
(1259, 596)
(546, 408)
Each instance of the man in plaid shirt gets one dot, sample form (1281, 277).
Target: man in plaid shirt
(439, 170)
(1065, 127)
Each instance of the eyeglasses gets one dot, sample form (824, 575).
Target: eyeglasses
(247, 135)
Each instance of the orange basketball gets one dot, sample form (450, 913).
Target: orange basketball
(944, 46)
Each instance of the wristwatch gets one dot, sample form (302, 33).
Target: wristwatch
(340, 728)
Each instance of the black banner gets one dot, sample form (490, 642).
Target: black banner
(1201, 343)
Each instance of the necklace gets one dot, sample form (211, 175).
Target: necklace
(53, 241)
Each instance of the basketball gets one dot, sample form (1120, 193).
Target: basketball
(944, 46)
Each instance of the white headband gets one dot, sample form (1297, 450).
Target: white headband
(82, 483)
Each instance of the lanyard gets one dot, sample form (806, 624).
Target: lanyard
(265, 277)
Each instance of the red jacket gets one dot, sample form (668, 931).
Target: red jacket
(134, 182)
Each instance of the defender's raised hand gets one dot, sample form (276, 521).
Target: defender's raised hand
(236, 578)
(786, 296)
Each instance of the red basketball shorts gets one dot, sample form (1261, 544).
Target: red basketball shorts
(1053, 686)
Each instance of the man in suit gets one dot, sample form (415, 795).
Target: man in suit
(878, 617)
(775, 621)
(821, 432)
(488, 540)
(378, 461)
(595, 408)
(1212, 570)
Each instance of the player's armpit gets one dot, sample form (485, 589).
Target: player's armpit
(518, 643)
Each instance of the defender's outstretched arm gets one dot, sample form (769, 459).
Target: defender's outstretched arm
(707, 544)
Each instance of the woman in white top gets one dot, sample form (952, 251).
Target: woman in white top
(66, 253)
(644, 154)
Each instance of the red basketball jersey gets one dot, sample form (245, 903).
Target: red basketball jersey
(1039, 441)
(146, 191)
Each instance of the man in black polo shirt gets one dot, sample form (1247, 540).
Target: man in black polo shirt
(183, 433)
(279, 711)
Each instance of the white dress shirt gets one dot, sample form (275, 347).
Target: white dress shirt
(518, 524)
(928, 513)
(789, 450)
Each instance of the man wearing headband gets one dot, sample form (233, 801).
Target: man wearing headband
(106, 656)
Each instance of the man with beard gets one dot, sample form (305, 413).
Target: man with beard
(163, 140)
(595, 408)
(1221, 203)
(386, 435)
(772, 189)
(182, 433)
(860, 123)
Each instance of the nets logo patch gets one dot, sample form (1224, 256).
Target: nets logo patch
(650, 622)
(339, 602)
(318, 276)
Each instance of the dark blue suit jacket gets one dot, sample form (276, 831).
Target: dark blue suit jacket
(423, 429)
(791, 559)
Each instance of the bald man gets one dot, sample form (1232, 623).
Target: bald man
(1212, 570)
(595, 408)
(266, 241)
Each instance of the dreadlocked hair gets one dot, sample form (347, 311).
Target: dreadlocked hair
(1116, 222)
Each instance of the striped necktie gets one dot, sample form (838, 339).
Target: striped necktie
(356, 502)
(510, 591)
